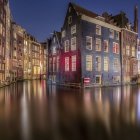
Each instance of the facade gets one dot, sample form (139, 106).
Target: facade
(138, 55)
(54, 58)
(34, 58)
(94, 49)
(17, 50)
(8, 39)
(35, 50)
(27, 57)
(43, 60)
(21, 56)
(3, 4)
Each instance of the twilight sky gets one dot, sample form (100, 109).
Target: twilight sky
(42, 17)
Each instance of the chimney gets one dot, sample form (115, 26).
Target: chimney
(136, 19)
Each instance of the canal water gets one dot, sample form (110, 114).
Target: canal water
(31, 110)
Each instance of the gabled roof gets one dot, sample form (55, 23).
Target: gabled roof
(83, 11)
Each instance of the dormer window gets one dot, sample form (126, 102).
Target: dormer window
(98, 30)
(69, 19)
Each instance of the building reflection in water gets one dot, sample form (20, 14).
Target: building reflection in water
(32, 110)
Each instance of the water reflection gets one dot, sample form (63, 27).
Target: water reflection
(34, 111)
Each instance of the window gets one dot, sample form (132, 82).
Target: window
(98, 63)
(88, 62)
(133, 51)
(115, 47)
(128, 50)
(117, 35)
(98, 44)
(116, 79)
(69, 19)
(98, 29)
(73, 43)
(73, 29)
(66, 63)
(127, 66)
(57, 64)
(105, 46)
(66, 45)
(50, 64)
(54, 50)
(74, 63)
(63, 33)
(89, 42)
(116, 65)
(106, 64)
(98, 79)
(111, 33)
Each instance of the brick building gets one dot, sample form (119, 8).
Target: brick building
(94, 49)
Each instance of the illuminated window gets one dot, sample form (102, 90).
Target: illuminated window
(73, 29)
(105, 46)
(133, 51)
(116, 65)
(73, 43)
(74, 63)
(128, 50)
(98, 29)
(111, 33)
(54, 64)
(67, 46)
(66, 63)
(106, 65)
(63, 33)
(88, 62)
(98, 44)
(0, 28)
(127, 66)
(115, 48)
(98, 79)
(98, 63)
(57, 65)
(89, 42)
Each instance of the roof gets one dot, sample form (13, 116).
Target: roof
(83, 11)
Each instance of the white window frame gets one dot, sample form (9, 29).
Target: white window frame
(73, 44)
(133, 51)
(128, 50)
(89, 63)
(73, 61)
(66, 45)
(116, 66)
(67, 64)
(111, 33)
(106, 42)
(98, 64)
(98, 76)
(98, 44)
(89, 38)
(106, 64)
(98, 30)
(73, 29)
